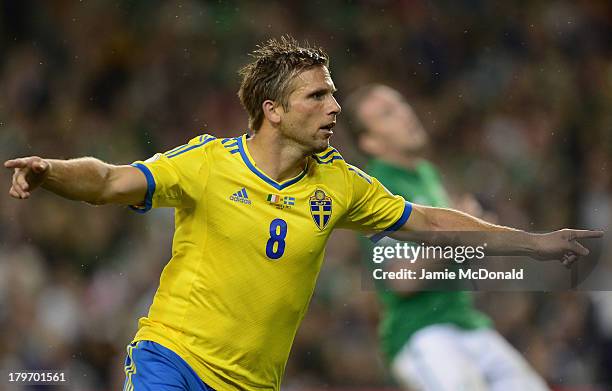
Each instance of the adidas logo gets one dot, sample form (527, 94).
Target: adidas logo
(241, 196)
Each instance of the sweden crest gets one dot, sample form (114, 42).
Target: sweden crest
(320, 208)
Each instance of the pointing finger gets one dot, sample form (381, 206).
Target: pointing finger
(586, 234)
(15, 163)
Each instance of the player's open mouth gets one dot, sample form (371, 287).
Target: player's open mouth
(328, 127)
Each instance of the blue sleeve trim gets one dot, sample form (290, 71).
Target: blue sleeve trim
(148, 201)
(398, 224)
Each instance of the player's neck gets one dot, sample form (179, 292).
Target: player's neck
(275, 157)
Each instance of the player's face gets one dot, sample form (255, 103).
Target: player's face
(391, 122)
(312, 110)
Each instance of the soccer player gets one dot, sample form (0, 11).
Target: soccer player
(252, 217)
(434, 341)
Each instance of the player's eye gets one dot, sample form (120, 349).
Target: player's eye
(319, 95)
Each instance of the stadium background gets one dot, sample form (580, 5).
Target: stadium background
(517, 97)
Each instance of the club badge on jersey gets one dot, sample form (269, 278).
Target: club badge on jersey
(320, 208)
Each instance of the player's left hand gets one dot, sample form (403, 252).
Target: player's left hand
(563, 245)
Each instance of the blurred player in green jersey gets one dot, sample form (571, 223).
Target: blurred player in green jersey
(434, 340)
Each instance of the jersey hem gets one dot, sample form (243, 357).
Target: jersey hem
(166, 338)
(208, 377)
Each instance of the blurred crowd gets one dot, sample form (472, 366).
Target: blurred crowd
(516, 95)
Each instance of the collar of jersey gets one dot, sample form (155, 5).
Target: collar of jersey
(250, 163)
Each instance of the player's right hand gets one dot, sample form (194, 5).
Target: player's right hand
(29, 173)
(563, 245)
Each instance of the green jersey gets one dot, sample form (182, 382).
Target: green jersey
(405, 315)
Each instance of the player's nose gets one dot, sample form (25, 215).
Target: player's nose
(335, 107)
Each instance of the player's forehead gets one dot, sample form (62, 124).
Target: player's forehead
(380, 99)
(313, 79)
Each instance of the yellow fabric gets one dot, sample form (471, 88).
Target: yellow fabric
(223, 304)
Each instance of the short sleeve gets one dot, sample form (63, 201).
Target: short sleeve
(174, 178)
(373, 207)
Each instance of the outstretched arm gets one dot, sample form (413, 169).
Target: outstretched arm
(84, 179)
(425, 222)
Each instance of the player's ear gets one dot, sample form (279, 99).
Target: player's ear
(271, 111)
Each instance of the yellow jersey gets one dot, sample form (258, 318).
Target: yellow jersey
(246, 253)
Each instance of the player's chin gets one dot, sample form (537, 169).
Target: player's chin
(321, 145)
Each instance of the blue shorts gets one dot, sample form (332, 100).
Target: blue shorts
(150, 366)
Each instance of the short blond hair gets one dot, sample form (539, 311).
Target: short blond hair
(276, 63)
